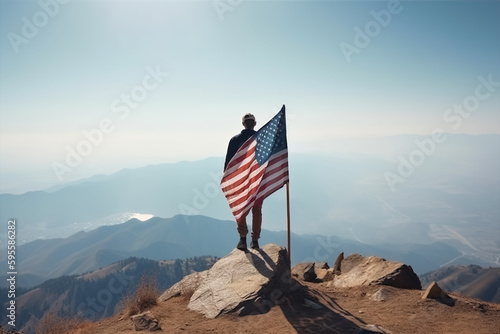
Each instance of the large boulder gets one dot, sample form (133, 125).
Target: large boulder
(243, 282)
(304, 271)
(187, 286)
(374, 270)
(351, 261)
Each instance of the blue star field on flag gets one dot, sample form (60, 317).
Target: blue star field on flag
(271, 138)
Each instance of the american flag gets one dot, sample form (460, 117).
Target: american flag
(259, 167)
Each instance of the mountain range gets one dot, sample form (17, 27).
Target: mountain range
(101, 293)
(187, 236)
(449, 200)
(471, 280)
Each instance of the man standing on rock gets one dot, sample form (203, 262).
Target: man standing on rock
(235, 143)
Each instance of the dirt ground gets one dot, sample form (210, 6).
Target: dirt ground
(328, 310)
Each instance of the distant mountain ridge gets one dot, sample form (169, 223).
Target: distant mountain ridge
(187, 236)
(451, 199)
(154, 239)
(98, 294)
(471, 280)
(343, 194)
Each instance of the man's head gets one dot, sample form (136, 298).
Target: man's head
(248, 121)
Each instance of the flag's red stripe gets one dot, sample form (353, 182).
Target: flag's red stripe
(234, 175)
(270, 176)
(274, 180)
(270, 188)
(244, 152)
(250, 184)
(270, 168)
(275, 176)
(244, 203)
(245, 191)
(238, 181)
(246, 199)
(279, 162)
(276, 159)
(242, 169)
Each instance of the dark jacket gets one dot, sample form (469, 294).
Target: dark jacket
(235, 143)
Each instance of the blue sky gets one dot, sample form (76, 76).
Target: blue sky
(212, 66)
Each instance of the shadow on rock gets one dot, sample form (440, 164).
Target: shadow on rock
(313, 312)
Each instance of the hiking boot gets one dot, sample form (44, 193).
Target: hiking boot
(242, 245)
(254, 244)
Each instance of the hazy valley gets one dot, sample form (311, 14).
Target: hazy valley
(444, 213)
(100, 293)
(451, 198)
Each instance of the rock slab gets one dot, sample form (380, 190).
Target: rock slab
(305, 271)
(380, 295)
(324, 275)
(338, 264)
(434, 291)
(145, 321)
(242, 282)
(186, 286)
(374, 270)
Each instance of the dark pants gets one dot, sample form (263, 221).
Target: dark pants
(256, 223)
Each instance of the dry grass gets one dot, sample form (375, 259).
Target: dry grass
(145, 297)
(52, 323)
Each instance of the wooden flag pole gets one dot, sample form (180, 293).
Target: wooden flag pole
(288, 224)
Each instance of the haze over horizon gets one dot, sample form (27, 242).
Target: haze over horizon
(134, 83)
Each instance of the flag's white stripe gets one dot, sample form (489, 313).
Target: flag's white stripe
(277, 154)
(272, 181)
(238, 171)
(243, 174)
(276, 164)
(257, 195)
(234, 167)
(254, 184)
(237, 178)
(239, 215)
(275, 179)
(270, 174)
(274, 172)
(250, 199)
(275, 186)
(231, 182)
(270, 171)
(270, 178)
(244, 149)
(245, 192)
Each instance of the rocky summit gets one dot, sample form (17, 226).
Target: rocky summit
(373, 270)
(253, 292)
(243, 282)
